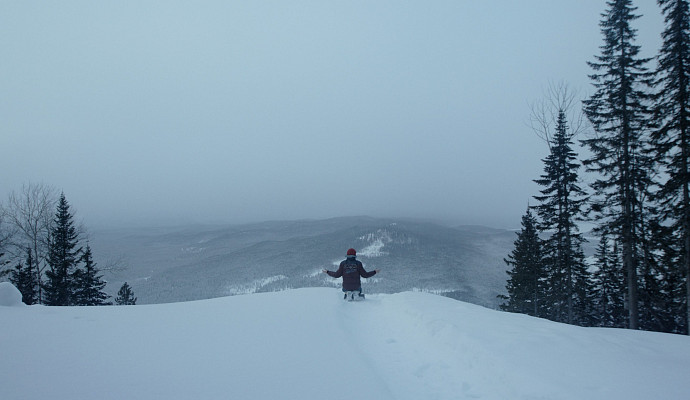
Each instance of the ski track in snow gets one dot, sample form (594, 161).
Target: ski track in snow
(422, 361)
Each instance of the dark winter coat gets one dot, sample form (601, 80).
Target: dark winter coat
(351, 269)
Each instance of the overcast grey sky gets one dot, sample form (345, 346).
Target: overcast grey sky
(166, 112)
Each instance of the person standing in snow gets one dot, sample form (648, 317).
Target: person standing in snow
(351, 269)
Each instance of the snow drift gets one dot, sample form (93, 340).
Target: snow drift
(310, 344)
(10, 296)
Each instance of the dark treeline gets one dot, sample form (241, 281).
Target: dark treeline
(43, 253)
(640, 199)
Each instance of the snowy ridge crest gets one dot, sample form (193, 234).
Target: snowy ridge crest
(254, 286)
(379, 239)
(193, 250)
(433, 291)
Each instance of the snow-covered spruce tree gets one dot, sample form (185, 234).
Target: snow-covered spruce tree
(561, 203)
(3, 272)
(672, 138)
(25, 278)
(669, 313)
(88, 283)
(658, 274)
(125, 296)
(526, 283)
(63, 256)
(608, 286)
(620, 116)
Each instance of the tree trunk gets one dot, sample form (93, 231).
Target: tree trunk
(686, 198)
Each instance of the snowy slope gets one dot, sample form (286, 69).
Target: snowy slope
(310, 344)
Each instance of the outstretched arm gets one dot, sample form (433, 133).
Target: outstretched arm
(336, 274)
(364, 274)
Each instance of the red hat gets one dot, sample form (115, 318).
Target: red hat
(351, 252)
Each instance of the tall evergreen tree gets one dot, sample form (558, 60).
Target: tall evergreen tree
(619, 114)
(25, 278)
(672, 138)
(63, 256)
(89, 284)
(526, 283)
(561, 203)
(125, 296)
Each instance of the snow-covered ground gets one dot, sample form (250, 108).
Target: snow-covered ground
(310, 344)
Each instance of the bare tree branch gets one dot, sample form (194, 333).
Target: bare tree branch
(30, 215)
(116, 264)
(558, 97)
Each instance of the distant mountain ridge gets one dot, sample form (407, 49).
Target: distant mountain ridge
(199, 262)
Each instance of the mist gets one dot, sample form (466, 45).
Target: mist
(231, 112)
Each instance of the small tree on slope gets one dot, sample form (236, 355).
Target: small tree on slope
(88, 283)
(608, 287)
(526, 283)
(125, 296)
(24, 278)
